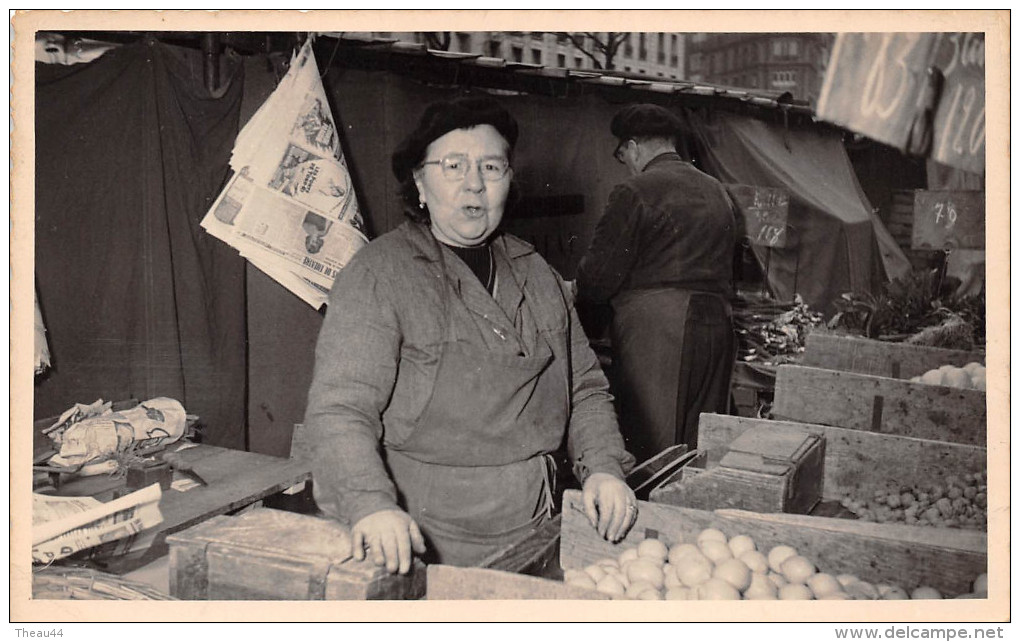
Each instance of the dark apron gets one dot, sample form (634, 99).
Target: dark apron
(673, 353)
(474, 473)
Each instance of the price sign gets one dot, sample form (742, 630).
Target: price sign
(959, 128)
(764, 211)
(874, 81)
(948, 220)
(879, 85)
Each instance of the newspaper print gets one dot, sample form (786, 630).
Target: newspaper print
(62, 526)
(321, 184)
(290, 208)
(317, 246)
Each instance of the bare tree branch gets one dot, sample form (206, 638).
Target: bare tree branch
(607, 47)
(579, 45)
(437, 40)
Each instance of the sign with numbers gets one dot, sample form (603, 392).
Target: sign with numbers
(764, 211)
(948, 220)
(959, 128)
(873, 83)
(884, 86)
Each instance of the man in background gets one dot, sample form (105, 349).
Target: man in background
(662, 257)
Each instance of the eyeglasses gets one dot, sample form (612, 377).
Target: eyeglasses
(618, 154)
(455, 167)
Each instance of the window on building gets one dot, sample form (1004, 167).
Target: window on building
(785, 48)
(642, 47)
(626, 68)
(641, 71)
(628, 46)
(660, 74)
(578, 62)
(784, 79)
(463, 42)
(561, 60)
(495, 49)
(536, 56)
(674, 51)
(518, 54)
(660, 54)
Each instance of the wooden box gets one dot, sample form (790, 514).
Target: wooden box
(768, 469)
(881, 358)
(880, 404)
(453, 583)
(267, 554)
(857, 462)
(909, 556)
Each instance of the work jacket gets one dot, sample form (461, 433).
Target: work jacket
(671, 226)
(422, 375)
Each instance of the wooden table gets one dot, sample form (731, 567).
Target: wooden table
(236, 479)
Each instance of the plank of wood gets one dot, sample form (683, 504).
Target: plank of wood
(880, 404)
(946, 559)
(236, 479)
(856, 462)
(453, 583)
(881, 358)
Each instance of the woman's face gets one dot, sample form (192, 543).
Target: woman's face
(466, 211)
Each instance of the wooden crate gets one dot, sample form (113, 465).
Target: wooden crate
(455, 583)
(880, 404)
(267, 554)
(766, 468)
(945, 559)
(534, 554)
(856, 462)
(881, 358)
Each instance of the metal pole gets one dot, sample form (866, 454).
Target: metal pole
(211, 61)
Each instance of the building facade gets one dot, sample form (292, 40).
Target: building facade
(653, 55)
(793, 62)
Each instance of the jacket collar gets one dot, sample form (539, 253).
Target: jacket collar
(506, 248)
(661, 159)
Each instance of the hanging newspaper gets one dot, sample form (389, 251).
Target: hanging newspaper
(290, 207)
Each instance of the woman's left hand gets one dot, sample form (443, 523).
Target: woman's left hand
(610, 505)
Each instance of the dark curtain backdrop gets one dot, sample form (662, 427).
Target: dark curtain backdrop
(138, 300)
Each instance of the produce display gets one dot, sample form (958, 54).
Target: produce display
(772, 332)
(960, 502)
(714, 567)
(970, 376)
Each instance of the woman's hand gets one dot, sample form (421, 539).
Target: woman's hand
(390, 535)
(610, 505)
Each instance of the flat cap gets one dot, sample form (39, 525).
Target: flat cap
(641, 120)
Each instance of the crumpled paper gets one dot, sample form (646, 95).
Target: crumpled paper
(87, 434)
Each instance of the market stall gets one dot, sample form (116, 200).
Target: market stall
(846, 421)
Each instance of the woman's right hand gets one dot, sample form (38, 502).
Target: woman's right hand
(390, 535)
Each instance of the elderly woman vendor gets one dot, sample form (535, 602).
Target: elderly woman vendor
(451, 364)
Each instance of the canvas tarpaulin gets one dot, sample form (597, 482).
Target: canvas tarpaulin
(139, 301)
(836, 244)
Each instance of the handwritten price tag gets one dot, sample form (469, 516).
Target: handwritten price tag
(948, 220)
(764, 211)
